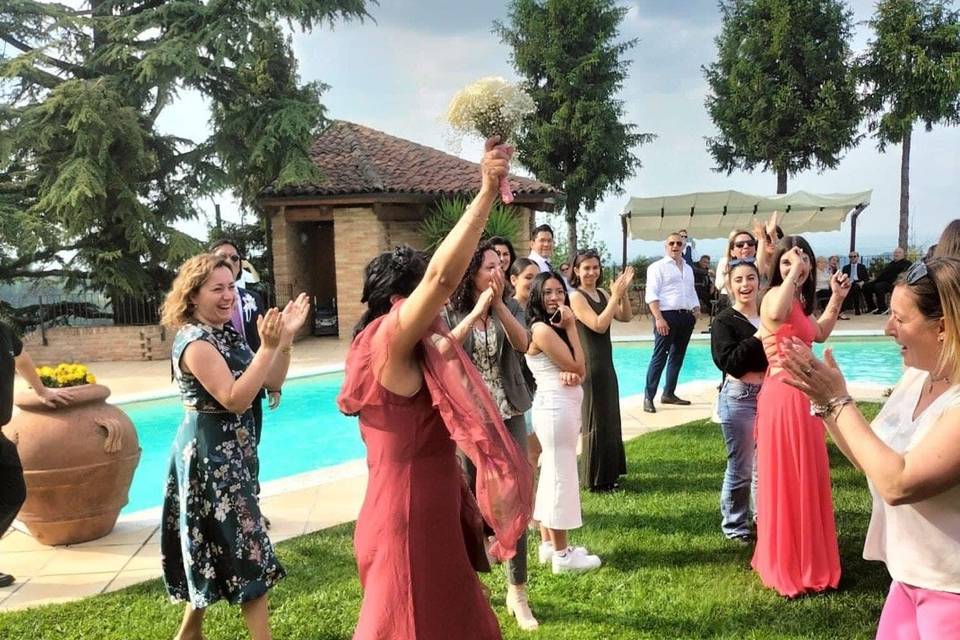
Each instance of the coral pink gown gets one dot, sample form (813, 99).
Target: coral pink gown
(412, 554)
(796, 550)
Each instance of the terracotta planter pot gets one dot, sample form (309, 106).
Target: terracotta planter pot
(78, 462)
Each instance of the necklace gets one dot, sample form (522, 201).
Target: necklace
(932, 381)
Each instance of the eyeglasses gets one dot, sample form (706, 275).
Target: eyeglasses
(853, 255)
(683, 236)
(917, 272)
(745, 243)
(675, 243)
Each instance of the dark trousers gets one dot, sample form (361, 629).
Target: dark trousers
(12, 489)
(854, 298)
(516, 567)
(669, 350)
(876, 294)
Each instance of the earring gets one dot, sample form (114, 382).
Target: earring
(939, 338)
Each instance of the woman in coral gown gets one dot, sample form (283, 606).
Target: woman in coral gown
(796, 550)
(418, 398)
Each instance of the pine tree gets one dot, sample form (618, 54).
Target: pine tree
(911, 71)
(783, 91)
(89, 187)
(569, 56)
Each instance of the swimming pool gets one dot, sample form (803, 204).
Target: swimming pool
(307, 432)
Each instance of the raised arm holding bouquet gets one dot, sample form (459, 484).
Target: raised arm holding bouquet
(490, 107)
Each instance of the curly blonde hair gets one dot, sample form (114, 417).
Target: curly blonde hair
(177, 309)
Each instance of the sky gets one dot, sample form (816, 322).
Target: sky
(397, 72)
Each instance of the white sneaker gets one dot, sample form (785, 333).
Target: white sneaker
(575, 560)
(545, 552)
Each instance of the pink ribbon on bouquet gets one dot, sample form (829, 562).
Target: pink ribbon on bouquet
(506, 195)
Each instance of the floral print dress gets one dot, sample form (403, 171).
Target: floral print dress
(212, 539)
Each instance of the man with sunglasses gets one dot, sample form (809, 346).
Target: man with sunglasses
(859, 276)
(249, 306)
(674, 304)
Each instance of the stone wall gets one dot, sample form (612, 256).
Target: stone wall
(99, 344)
(357, 236)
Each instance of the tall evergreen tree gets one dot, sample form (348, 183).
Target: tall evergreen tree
(911, 71)
(782, 90)
(569, 55)
(89, 186)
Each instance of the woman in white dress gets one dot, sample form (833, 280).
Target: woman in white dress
(556, 360)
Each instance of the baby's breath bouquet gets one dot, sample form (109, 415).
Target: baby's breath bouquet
(490, 107)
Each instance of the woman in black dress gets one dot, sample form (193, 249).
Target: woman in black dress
(603, 460)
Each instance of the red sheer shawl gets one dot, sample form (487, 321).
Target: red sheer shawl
(457, 391)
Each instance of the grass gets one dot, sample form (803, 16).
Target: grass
(668, 573)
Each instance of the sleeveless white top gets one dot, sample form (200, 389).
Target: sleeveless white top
(919, 542)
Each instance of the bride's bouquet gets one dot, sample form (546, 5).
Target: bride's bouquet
(488, 107)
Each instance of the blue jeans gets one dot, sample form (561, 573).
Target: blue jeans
(738, 410)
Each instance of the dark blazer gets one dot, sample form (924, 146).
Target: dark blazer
(862, 274)
(252, 306)
(733, 346)
(893, 269)
(515, 387)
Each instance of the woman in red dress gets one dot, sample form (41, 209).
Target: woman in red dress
(796, 550)
(418, 398)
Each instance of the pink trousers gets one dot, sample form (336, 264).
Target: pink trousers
(912, 613)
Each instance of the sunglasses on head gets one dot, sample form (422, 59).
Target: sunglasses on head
(737, 263)
(745, 243)
(917, 272)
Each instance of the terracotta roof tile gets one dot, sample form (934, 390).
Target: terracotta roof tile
(354, 159)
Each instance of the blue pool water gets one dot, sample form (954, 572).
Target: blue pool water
(307, 432)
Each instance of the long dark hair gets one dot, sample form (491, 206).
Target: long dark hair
(537, 311)
(495, 240)
(589, 254)
(396, 272)
(464, 297)
(808, 288)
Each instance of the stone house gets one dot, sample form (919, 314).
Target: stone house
(375, 192)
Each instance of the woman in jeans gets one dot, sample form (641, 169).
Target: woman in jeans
(739, 354)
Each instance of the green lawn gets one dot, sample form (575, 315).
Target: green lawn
(668, 573)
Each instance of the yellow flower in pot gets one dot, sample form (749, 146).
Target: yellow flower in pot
(78, 459)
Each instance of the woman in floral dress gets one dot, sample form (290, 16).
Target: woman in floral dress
(213, 542)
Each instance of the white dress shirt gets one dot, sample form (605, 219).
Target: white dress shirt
(540, 260)
(671, 285)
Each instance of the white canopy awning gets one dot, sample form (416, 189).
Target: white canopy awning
(714, 214)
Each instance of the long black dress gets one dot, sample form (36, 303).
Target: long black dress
(603, 459)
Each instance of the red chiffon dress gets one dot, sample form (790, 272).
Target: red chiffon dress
(412, 553)
(796, 550)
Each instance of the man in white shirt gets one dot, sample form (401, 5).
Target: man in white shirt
(674, 304)
(541, 248)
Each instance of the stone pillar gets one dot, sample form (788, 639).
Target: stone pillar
(358, 237)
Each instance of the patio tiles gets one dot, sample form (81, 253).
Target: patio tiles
(59, 588)
(124, 533)
(80, 560)
(145, 558)
(26, 564)
(129, 578)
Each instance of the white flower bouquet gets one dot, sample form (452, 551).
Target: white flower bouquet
(488, 107)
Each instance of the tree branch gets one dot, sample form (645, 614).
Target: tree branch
(54, 62)
(146, 6)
